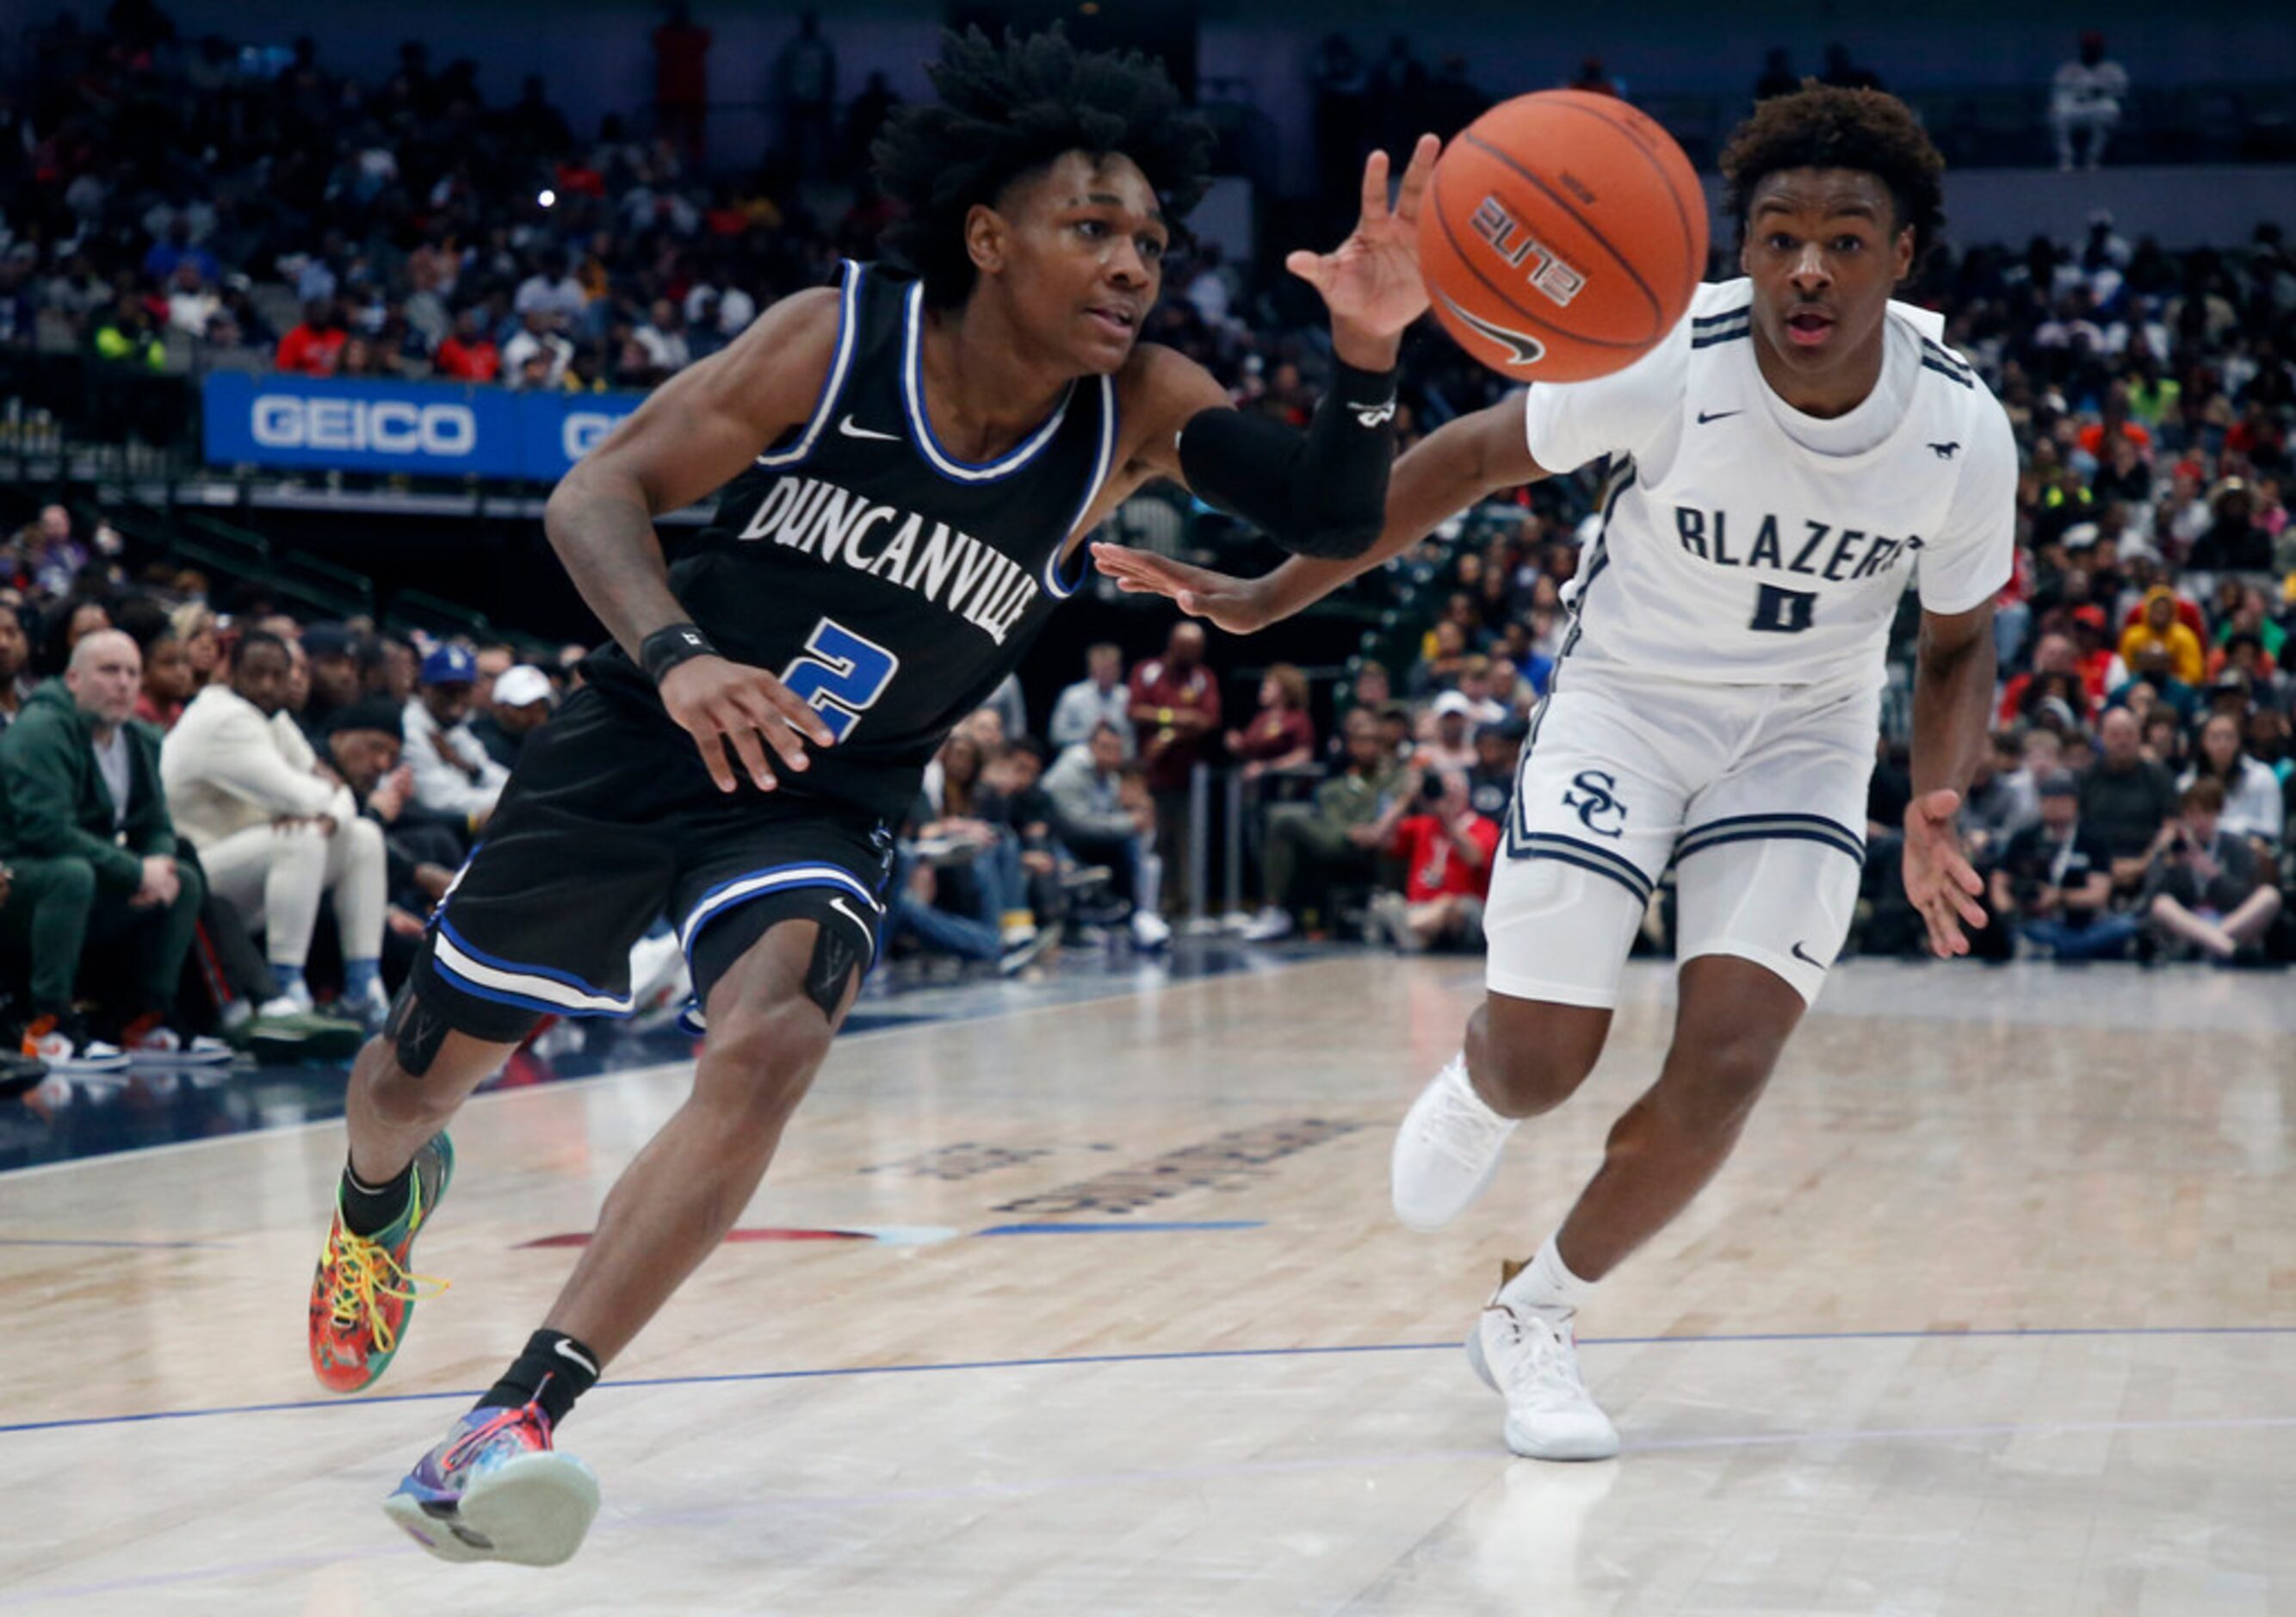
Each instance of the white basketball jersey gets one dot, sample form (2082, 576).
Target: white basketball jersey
(1745, 542)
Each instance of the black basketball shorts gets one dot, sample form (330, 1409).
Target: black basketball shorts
(609, 821)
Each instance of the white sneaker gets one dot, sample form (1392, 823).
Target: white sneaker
(1268, 925)
(289, 1002)
(371, 1009)
(1391, 920)
(657, 974)
(1447, 1150)
(1530, 1357)
(45, 1041)
(1150, 930)
(161, 1045)
(1020, 956)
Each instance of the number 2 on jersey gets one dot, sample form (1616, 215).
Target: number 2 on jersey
(840, 675)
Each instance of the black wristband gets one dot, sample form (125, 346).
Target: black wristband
(671, 644)
(1368, 397)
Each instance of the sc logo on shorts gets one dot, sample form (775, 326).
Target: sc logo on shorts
(1599, 801)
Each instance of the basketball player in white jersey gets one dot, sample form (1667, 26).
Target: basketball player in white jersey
(1780, 467)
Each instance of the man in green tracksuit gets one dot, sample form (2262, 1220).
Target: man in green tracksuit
(83, 828)
(1309, 849)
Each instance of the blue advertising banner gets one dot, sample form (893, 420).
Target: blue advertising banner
(430, 429)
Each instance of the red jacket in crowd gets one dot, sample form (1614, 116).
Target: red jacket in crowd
(1433, 867)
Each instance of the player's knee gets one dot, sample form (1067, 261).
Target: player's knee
(365, 840)
(396, 1094)
(761, 1061)
(1524, 1083)
(1529, 1057)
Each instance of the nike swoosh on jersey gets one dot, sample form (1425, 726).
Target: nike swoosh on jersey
(845, 426)
(1798, 955)
(1719, 415)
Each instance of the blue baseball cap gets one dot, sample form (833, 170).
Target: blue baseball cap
(450, 665)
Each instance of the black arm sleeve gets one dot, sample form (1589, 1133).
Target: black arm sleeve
(1321, 493)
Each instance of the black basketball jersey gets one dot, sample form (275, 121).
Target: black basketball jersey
(888, 583)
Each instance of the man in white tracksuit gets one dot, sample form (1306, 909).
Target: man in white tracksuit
(272, 835)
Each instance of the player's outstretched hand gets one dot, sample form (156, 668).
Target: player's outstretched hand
(1372, 279)
(1238, 605)
(722, 703)
(1939, 880)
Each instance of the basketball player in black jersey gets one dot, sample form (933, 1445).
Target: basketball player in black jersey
(906, 465)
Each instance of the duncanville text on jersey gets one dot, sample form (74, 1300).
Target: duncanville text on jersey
(947, 566)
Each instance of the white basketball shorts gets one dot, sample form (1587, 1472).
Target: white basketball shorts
(1755, 793)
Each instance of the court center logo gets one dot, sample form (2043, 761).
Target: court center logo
(1593, 792)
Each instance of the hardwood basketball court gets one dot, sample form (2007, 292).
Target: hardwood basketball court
(1085, 1297)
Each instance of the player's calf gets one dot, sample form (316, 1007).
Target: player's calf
(673, 1205)
(411, 1078)
(759, 1065)
(404, 1086)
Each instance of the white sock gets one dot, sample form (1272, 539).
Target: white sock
(1546, 1282)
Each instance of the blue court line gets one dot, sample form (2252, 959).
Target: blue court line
(737, 1377)
(1099, 1230)
(140, 1246)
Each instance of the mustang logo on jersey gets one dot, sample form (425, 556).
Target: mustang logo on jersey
(949, 568)
(1600, 786)
(1815, 550)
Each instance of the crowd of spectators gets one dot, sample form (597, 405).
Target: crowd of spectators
(161, 195)
(151, 183)
(151, 186)
(186, 798)
(1390, 834)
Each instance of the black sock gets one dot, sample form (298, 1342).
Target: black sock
(553, 1371)
(369, 1209)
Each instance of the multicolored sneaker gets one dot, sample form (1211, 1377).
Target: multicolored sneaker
(496, 1490)
(66, 1048)
(363, 1293)
(151, 1042)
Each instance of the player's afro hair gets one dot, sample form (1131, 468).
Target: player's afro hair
(1007, 111)
(1823, 127)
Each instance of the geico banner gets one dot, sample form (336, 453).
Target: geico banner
(435, 430)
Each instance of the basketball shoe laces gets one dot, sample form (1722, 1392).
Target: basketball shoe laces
(474, 1444)
(364, 1273)
(1541, 1370)
(1464, 1128)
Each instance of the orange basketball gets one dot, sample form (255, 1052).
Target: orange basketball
(1562, 237)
